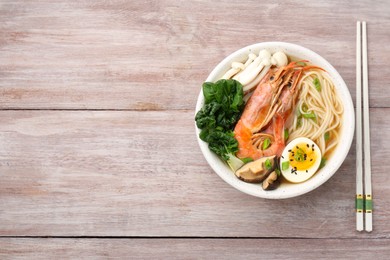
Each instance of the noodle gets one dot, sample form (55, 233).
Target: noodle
(318, 113)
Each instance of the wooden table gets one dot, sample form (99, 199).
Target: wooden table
(98, 153)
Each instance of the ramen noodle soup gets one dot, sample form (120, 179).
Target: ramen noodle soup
(289, 124)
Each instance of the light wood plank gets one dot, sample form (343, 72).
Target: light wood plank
(154, 55)
(41, 248)
(131, 173)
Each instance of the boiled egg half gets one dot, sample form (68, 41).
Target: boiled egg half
(300, 159)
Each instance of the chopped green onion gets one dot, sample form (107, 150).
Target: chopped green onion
(317, 84)
(268, 164)
(304, 107)
(301, 63)
(323, 162)
(286, 134)
(299, 155)
(285, 165)
(326, 136)
(246, 160)
(309, 115)
(277, 171)
(266, 143)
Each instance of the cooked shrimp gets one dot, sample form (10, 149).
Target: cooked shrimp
(266, 112)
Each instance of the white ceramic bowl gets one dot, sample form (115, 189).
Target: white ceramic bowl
(285, 190)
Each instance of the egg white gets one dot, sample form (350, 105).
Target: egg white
(300, 175)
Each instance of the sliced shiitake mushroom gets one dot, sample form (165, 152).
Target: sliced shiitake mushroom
(256, 171)
(271, 182)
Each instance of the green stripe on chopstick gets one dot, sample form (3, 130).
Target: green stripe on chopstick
(359, 203)
(368, 204)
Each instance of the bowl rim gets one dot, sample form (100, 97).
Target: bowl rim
(347, 130)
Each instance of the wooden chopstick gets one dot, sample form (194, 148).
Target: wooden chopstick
(359, 204)
(363, 197)
(366, 129)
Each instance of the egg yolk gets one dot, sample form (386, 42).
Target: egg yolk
(302, 157)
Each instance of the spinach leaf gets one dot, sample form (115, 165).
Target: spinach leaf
(223, 107)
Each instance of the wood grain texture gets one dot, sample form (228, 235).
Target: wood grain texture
(131, 173)
(97, 140)
(154, 55)
(48, 248)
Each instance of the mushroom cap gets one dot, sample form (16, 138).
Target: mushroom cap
(279, 59)
(264, 54)
(271, 182)
(256, 171)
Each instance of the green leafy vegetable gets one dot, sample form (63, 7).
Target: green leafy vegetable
(285, 165)
(317, 84)
(220, 142)
(268, 164)
(223, 107)
(234, 162)
(266, 143)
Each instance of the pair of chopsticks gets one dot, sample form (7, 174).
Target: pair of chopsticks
(363, 197)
